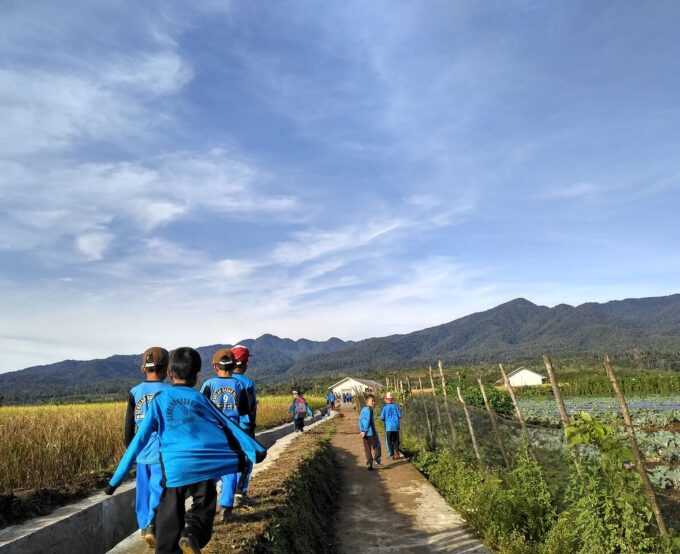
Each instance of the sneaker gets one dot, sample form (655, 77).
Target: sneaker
(238, 499)
(150, 536)
(189, 545)
(370, 466)
(227, 514)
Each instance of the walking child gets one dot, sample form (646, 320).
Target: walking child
(391, 415)
(300, 410)
(247, 422)
(228, 396)
(148, 490)
(330, 401)
(369, 434)
(198, 444)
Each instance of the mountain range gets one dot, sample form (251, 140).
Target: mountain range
(515, 330)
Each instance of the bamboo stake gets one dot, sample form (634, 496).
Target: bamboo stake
(639, 463)
(518, 412)
(434, 393)
(454, 435)
(470, 427)
(412, 406)
(427, 415)
(564, 416)
(494, 426)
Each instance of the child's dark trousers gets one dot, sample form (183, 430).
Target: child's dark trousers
(371, 446)
(173, 521)
(393, 440)
(300, 423)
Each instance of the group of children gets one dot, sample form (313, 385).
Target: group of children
(391, 415)
(184, 441)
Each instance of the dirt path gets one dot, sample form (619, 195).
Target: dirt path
(393, 508)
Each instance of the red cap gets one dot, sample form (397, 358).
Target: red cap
(241, 354)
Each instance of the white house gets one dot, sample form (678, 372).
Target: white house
(523, 377)
(351, 384)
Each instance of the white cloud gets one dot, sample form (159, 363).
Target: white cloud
(94, 245)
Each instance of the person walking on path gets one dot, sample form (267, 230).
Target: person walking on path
(369, 434)
(391, 415)
(300, 410)
(247, 422)
(330, 402)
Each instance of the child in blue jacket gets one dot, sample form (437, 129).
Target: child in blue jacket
(330, 401)
(248, 421)
(369, 433)
(391, 414)
(198, 444)
(148, 490)
(228, 396)
(300, 410)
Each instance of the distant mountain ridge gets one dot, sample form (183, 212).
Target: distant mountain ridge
(514, 330)
(270, 356)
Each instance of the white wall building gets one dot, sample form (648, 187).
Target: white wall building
(523, 377)
(351, 384)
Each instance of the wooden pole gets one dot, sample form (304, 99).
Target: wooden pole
(446, 402)
(639, 463)
(515, 403)
(434, 394)
(475, 446)
(494, 426)
(427, 415)
(564, 416)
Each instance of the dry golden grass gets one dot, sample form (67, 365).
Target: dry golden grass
(47, 446)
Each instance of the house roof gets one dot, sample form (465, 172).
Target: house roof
(366, 382)
(501, 381)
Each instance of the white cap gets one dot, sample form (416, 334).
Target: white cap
(388, 394)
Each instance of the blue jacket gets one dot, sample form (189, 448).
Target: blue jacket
(197, 441)
(391, 414)
(300, 408)
(366, 422)
(138, 404)
(247, 421)
(228, 396)
(330, 397)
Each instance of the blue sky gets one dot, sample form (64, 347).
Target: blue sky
(191, 173)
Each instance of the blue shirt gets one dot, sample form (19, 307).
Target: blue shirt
(248, 421)
(197, 441)
(228, 396)
(391, 414)
(140, 399)
(366, 422)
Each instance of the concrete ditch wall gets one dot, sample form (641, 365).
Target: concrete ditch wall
(98, 523)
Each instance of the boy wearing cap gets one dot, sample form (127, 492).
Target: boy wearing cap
(148, 491)
(247, 422)
(300, 410)
(368, 433)
(198, 443)
(228, 396)
(391, 414)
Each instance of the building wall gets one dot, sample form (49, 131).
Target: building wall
(525, 379)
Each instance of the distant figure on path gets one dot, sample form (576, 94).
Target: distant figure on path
(369, 434)
(149, 474)
(228, 396)
(198, 443)
(391, 414)
(330, 401)
(300, 410)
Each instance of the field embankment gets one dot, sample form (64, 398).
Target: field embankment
(295, 502)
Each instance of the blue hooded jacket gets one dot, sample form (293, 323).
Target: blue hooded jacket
(247, 421)
(197, 441)
(391, 414)
(140, 399)
(228, 396)
(366, 422)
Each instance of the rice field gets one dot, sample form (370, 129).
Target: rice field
(48, 446)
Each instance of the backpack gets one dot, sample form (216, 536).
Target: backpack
(300, 406)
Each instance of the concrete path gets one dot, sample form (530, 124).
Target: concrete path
(134, 543)
(393, 508)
